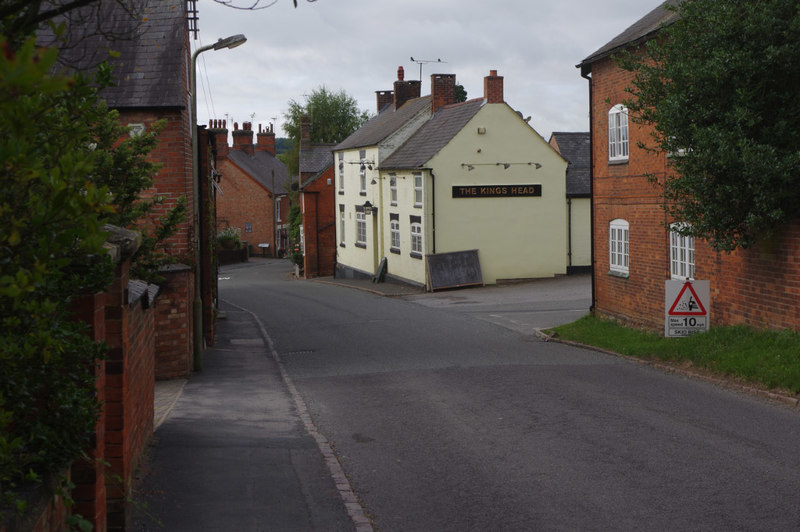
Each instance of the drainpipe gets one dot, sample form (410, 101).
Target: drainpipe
(433, 211)
(569, 233)
(586, 74)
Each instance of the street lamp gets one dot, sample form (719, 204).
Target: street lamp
(229, 42)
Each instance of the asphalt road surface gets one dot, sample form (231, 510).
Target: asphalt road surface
(451, 416)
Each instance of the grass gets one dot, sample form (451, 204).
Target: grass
(761, 357)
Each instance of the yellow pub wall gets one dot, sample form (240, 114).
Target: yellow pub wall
(517, 237)
(363, 259)
(580, 227)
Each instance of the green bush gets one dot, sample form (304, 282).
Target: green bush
(51, 215)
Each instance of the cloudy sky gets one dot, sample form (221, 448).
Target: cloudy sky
(357, 45)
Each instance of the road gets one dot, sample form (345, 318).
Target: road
(449, 416)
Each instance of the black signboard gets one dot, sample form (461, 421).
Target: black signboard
(497, 191)
(454, 270)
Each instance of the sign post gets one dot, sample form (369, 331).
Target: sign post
(686, 307)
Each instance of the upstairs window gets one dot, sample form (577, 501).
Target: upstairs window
(362, 174)
(681, 254)
(341, 173)
(618, 133)
(417, 189)
(618, 231)
(393, 188)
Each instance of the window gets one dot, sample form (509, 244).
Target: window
(416, 237)
(361, 229)
(393, 188)
(395, 227)
(278, 210)
(618, 133)
(341, 172)
(362, 155)
(417, 189)
(618, 246)
(681, 253)
(341, 225)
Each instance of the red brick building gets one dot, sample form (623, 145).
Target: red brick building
(317, 205)
(634, 249)
(251, 175)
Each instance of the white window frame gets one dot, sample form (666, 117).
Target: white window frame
(362, 172)
(619, 246)
(395, 233)
(393, 188)
(278, 209)
(417, 189)
(342, 232)
(361, 229)
(416, 237)
(341, 173)
(681, 253)
(618, 145)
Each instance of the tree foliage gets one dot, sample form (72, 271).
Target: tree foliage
(51, 216)
(334, 116)
(719, 87)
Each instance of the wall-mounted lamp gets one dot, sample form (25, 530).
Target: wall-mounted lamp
(373, 182)
(369, 209)
(506, 166)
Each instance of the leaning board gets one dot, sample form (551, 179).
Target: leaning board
(454, 270)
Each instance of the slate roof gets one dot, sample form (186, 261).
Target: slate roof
(433, 136)
(317, 158)
(385, 123)
(641, 30)
(576, 149)
(151, 68)
(260, 166)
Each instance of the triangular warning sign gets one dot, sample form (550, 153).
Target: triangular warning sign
(687, 303)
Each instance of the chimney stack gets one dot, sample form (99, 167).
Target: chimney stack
(265, 140)
(404, 90)
(384, 98)
(243, 138)
(219, 129)
(493, 87)
(443, 90)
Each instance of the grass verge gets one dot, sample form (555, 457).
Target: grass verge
(767, 358)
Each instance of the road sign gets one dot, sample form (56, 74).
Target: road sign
(686, 307)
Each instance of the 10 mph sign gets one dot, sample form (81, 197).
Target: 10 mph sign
(686, 305)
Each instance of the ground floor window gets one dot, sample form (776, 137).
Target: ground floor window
(341, 225)
(395, 230)
(618, 231)
(361, 229)
(416, 237)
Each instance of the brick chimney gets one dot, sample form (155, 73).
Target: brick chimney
(219, 129)
(493, 87)
(243, 138)
(266, 139)
(305, 132)
(384, 98)
(443, 90)
(404, 90)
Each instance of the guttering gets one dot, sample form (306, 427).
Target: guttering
(586, 73)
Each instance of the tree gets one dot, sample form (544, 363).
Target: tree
(334, 116)
(719, 87)
(461, 93)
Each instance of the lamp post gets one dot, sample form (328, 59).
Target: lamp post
(197, 338)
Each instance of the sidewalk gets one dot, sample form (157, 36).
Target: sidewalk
(384, 289)
(233, 449)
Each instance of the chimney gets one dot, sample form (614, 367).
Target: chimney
(493, 87)
(404, 90)
(443, 90)
(305, 132)
(243, 138)
(219, 129)
(384, 98)
(266, 139)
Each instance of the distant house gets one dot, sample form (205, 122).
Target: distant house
(250, 175)
(474, 177)
(637, 247)
(576, 149)
(317, 204)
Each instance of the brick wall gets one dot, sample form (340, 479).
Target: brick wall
(319, 226)
(174, 324)
(244, 200)
(757, 287)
